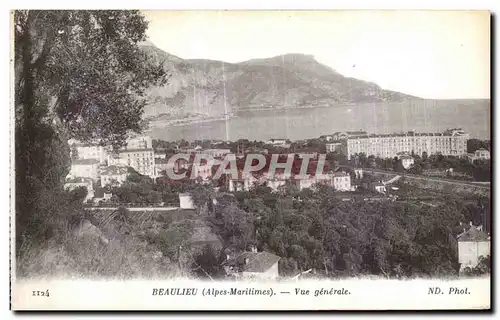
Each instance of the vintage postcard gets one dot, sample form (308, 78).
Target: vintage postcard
(250, 160)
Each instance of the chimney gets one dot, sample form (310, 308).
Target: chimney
(470, 223)
(247, 260)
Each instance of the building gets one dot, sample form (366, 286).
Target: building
(81, 151)
(358, 173)
(406, 161)
(253, 265)
(378, 187)
(470, 245)
(242, 183)
(335, 147)
(186, 201)
(139, 142)
(452, 142)
(311, 181)
(142, 160)
(203, 171)
(275, 182)
(86, 183)
(85, 168)
(115, 160)
(480, 154)
(278, 143)
(344, 135)
(216, 153)
(114, 175)
(161, 165)
(197, 149)
(341, 181)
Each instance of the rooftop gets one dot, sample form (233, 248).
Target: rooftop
(473, 234)
(161, 161)
(446, 133)
(136, 150)
(114, 170)
(78, 180)
(405, 156)
(84, 162)
(257, 261)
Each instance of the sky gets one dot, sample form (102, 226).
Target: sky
(430, 54)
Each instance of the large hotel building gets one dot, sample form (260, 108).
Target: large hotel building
(452, 142)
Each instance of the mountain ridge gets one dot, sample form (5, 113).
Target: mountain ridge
(210, 88)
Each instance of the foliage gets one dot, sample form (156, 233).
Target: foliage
(78, 194)
(482, 268)
(208, 264)
(78, 74)
(476, 144)
(316, 229)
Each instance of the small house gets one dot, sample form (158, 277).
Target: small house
(472, 244)
(253, 265)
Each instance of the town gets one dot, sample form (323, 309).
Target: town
(354, 166)
(139, 156)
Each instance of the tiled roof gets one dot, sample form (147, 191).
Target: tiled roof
(78, 180)
(114, 170)
(473, 234)
(257, 261)
(84, 162)
(161, 161)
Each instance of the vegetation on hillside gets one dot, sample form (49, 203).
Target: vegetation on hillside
(316, 229)
(78, 74)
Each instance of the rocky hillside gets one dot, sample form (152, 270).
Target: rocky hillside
(204, 87)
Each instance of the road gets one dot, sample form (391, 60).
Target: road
(132, 209)
(413, 176)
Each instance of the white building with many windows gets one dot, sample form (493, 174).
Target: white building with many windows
(452, 142)
(142, 160)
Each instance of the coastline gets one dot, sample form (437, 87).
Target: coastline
(158, 124)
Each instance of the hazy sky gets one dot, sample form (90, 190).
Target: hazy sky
(431, 54)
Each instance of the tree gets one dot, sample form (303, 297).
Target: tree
(476, 144)
(201, 195)
(208, 263)
(78, 74)
(398, 166)
(78, 194)
(74, 152)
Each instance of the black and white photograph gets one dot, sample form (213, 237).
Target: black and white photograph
(268, 155)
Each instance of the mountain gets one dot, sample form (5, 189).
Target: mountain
(206, 87)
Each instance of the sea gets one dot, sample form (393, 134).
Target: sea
(305, 123)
